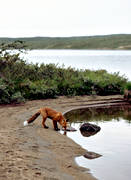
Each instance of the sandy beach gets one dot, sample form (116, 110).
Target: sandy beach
(29, 153)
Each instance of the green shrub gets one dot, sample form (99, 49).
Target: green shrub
(17, 98)
(128, 85)
(104, 83)
(4, 92)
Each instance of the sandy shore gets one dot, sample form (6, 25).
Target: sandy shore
(29, 153)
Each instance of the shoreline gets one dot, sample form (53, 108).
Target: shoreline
(35, 153)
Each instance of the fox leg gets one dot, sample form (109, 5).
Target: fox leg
(43, 123)
(55, 125)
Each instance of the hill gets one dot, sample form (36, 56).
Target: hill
(119, 41)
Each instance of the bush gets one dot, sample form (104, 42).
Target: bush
(128, 85)
(4, 93)
(17, 98)
(36, 90)
(104, 83)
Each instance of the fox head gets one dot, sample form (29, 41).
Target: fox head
(63, 122)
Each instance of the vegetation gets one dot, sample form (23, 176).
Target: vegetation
(128, 86)
(119, 41)
(20, 81)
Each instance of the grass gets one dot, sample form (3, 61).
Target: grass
(119, 41)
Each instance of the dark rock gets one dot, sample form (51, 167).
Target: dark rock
(91, 155)
(88, 129)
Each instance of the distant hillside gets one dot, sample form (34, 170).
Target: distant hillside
(120, 41)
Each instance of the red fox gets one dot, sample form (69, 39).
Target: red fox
(49, 113)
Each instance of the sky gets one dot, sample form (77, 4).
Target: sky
(57, 18)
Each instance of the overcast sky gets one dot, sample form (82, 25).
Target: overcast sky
(22, 18)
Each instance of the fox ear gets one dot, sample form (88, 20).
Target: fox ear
(67, 120)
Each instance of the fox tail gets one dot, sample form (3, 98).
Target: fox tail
(30, 120)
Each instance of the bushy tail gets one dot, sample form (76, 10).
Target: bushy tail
(30, 120)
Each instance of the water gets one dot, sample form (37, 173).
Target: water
(113, 141)
(111, 60)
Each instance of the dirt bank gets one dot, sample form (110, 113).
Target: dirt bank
(29, 153)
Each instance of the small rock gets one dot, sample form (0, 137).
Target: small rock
(91, 155)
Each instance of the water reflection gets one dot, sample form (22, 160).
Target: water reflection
(100, 113)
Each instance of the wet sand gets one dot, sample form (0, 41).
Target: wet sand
(29, 153)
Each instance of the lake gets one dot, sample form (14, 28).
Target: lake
(113, 141)
(111, 60)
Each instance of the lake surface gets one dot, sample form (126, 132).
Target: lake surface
(111, 60)
(113, 141)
